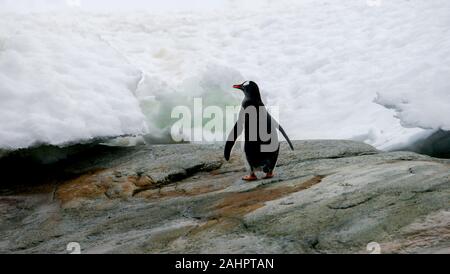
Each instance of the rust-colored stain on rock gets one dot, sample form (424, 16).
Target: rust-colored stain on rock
(189, 188)
(84, 186)
(242, 203)
(170, 192)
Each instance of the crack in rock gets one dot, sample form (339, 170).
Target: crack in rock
(344, 205)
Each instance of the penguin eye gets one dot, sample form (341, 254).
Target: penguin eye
(246, 83)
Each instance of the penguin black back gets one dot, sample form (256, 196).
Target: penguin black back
(261, 144)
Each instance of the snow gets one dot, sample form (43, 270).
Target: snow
(426, 104)
(59, 86)
(374, 71)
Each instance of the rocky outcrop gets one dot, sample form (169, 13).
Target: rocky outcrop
(435, 145)
(327, 197)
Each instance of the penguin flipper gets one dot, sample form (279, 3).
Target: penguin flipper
(232, 137)
(228, 147)
(285, 136)
(280, 128)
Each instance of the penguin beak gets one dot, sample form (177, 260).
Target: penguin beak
(238, 87)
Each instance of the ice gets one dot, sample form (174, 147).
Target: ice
(374, 71)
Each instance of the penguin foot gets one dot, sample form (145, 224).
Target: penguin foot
(251, 177)
(269, 175)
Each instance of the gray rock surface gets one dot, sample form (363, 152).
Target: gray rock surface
(327, 197)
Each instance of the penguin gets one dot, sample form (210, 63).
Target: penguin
(261, 145)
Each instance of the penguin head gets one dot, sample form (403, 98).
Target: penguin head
(250, 89)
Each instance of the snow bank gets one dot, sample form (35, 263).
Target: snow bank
(330, 66)
(60, 85)
(426, 104)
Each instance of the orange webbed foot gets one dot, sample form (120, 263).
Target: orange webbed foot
(251, 177)
(269, 175)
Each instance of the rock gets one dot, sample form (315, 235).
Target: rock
(327, 197)
(436, 145)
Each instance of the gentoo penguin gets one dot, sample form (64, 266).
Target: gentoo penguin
(261, 145)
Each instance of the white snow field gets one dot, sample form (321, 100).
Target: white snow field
(370, 70)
